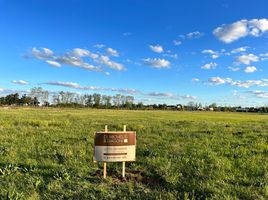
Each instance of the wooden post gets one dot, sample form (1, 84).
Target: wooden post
(124, 163)
(105, 164)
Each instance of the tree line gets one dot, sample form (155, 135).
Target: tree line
(39, 97)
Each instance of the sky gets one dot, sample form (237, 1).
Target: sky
(157, 51)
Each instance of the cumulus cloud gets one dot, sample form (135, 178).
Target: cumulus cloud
(42, 53)
(194, 35)
(208, 66)
(76, 57)
(53, 63)
(247, 59)
(231, 32)
(157, 62)
(112, 52)
(20, 82)
(234, 69)
(259, 93)
(77, 62)
(78, 52)
(214, 54)
(175, 56)
(243, 84)
(177, 42)
(240, 49)
(250, 69)
(264, 56)
(157, 48)
(219, 80)
(112, 64)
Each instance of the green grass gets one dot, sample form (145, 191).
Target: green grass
(48, 154)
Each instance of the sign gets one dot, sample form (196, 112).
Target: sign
(115, 146)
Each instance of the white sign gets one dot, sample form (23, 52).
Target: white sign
(115, 146)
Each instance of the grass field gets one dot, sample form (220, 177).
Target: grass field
(48, 154)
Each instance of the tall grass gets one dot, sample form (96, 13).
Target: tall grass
(48, 154)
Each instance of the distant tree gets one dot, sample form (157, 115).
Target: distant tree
(12, 99)
(35, 102)
(97, 100)
(88, 100)
(129, 101)
(140, 105)
(117, 100)
(25, 100)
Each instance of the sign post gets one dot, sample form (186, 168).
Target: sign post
(111, 146)
(105, 164)
(123, 163)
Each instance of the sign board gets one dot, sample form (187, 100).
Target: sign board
(115, 146)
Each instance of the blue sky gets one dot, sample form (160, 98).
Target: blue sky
(158, 51)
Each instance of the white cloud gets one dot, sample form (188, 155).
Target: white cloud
(48, 51)
(77, 62)
(157, 48)
(177, 42)
(65, 84)
(259, 93)
(113, 65)
(112, 52)
(240, 49)
(94, 88)
(20, 82)
(76, 57)
(77, 52)
(264, 56)
(211, 65)
(243, 84)
(219, 80)
(195, 80)
(234, 69)
(175, 56)
(170, 95)
(247, 59)
(42, 53)
(160, 94)
(9, 91)
(258, 26)
(53, 63)
(99, 46)
(231, 32)
(214, 54)
(250, 69)
(194, 35)
(157, 62)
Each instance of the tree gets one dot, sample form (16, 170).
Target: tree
(25, 100)
(97, 100)
(35, 101)
(88, 100)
